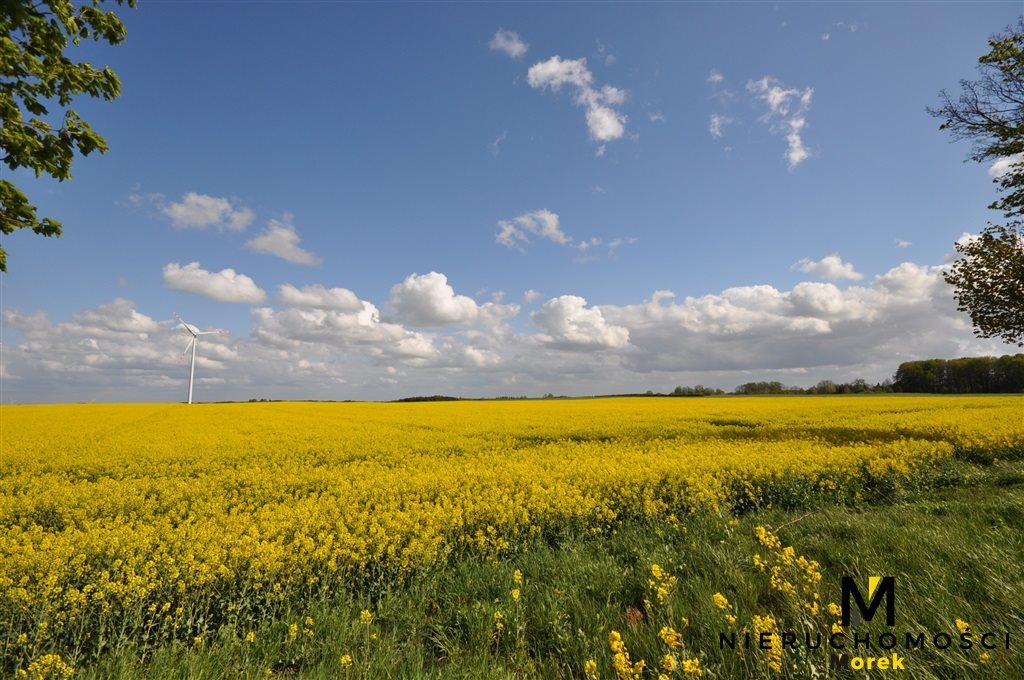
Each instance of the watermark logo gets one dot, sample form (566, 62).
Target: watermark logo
(879, 588)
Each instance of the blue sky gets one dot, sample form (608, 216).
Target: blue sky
(773, 166)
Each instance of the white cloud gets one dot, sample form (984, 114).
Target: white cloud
(813, 331)
(796, 152)
(1006, 164)
(613, 95)
(319, 297)
(906, 313)
(656, 117)
(967, 238)
(530, 295)
(779, 99)
(830, 267)
(569, 324)
(604, 123)
(544, 223)
(119, 316)
(557, 72)
(509, 43)
(717, 123)
(715, 77)
(281, 239)
(786, 114)
(363, 331)
(199, 211)
(900, 243)
(825, 37)
(429, 300)
(227, 285)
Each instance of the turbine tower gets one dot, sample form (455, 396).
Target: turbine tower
(192, 345)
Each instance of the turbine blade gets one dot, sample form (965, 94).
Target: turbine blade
(187, 326)
(189, 347)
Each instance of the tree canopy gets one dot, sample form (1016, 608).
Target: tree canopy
(38, 82)
(989, 276)
(989, 281)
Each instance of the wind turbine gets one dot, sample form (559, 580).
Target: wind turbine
(192, 345)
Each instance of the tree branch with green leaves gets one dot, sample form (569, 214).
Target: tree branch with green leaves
(38, 83)
(988, 278)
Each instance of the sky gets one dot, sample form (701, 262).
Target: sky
(376, 201)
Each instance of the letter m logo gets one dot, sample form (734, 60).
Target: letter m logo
(878, 587)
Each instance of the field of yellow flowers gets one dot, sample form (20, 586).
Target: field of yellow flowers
(154, 524)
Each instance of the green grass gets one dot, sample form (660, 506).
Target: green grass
(956, 552)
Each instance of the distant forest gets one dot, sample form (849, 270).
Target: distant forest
(976, 375)
(962, 376)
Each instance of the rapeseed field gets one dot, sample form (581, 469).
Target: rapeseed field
(148, 526)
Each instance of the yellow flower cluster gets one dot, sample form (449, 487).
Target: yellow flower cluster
(624, 669)
(766, 624)
(46, 668)
(722, 602)
(792, 575)
(154, 517)
(661, 583)
(676, 658)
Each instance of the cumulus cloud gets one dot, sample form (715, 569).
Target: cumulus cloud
(429, 300)
(544, 223)
(199, 211)
(830, 267)
(530, 295)
(327, 344)
(967, 238)
(901, 243)
(570, 324)
(227, 285)
(906, 313)
(604, 122)
(281, 240)
(715, 77)
(1005, 165)
(363, 331)
(119, 316)
(318, 297)
(509, 43)
(786, 115)
(112, 352)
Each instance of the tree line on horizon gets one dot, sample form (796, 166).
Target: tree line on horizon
(967, 375)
